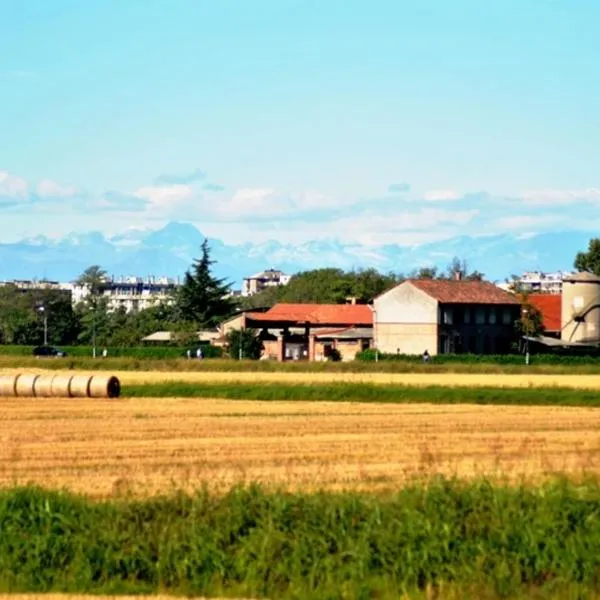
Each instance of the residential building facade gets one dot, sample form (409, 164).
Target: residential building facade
(130, 293)
(539, 282)
(445, 317)
(260, 281)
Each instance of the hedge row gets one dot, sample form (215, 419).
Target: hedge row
(372, 355)
(140, 352)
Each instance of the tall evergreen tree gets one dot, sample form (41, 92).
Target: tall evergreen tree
(202, 298)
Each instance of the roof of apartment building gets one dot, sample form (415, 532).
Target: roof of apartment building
(550, 306)
(318, 314)
(464, 291)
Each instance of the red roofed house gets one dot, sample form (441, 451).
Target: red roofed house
(550, 307)
(445, 316)
(311, 331)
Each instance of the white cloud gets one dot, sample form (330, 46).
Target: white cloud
(252, 202)
(51, 189)
(166, 196)
(550, 197)
(12, 186)
(441, 195)
(528, 222)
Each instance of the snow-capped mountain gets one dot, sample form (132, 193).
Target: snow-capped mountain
(169, 251)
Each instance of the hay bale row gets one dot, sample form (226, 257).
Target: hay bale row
(28, 385)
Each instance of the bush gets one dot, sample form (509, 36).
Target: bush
(244, 342)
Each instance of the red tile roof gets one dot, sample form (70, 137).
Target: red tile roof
(464, 291)
(318, 314)
(550, 305)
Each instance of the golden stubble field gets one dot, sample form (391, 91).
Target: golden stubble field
(143, 446)
(578, 381)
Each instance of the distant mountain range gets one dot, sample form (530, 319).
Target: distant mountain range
(169, 252)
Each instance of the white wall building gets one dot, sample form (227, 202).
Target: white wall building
(260, 281)
(540, 282)
(130, 293)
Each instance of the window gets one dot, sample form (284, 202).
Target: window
(447, 316)
(467, 315)
(492, 318)
(506, 316)
(480, 315)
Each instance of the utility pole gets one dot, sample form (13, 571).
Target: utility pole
(527, 327)
(42, 309)
(93, 327)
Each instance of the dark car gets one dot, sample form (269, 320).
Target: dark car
(48, 351)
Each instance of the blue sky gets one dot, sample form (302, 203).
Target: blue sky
(378, 122)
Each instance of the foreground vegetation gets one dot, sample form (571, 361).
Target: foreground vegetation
(486, 540)
(367, 392)
(150, 360)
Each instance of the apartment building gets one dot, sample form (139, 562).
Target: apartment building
(131, 293)
(260, 281)
(538, 282)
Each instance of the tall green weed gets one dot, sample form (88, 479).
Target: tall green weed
(504, 540)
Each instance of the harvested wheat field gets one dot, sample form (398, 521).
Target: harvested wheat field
(577, 381)
(144, 446)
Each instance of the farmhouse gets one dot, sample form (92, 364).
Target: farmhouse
(445, 316)
(313, 331)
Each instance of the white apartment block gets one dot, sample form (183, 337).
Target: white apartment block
(539, 282)
(36, 284)
(260, 281)
(131, 293)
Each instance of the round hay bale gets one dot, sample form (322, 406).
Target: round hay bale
(104, 386)
(7, 386)
(42, 387)
(79, 386)
(61, 385)
(25, 385)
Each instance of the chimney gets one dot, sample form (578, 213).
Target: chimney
(458, 275)
(351, 300)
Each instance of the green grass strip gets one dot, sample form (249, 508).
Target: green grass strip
(367, 392)
(439, 365)
(501, 541)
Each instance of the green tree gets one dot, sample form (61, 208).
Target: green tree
(460, 267)
(326, 286)
(22, 322)
(244, 343)
(93, 312)
(531, 322)
(202, 298)
(95, 321)
(17, 320)
(426, 273)
(590, 260)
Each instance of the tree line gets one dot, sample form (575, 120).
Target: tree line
(202, 301)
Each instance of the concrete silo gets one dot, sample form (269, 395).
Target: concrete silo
(580, 308)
